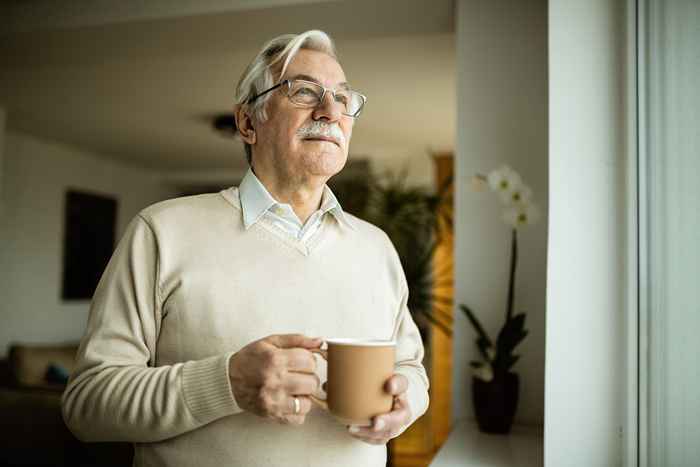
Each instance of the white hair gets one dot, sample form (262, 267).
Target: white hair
(259, 74)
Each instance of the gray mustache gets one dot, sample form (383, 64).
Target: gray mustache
(317, 129)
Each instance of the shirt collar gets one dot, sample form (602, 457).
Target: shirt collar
(329, 203)
(256, 200)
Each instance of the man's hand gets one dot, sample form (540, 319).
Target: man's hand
(267, 374)
(389, 425)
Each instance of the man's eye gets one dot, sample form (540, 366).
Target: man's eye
(306, 92)
(342, 98)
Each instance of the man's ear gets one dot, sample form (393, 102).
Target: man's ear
(244, 124)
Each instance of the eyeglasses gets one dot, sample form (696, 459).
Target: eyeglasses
(309, 94)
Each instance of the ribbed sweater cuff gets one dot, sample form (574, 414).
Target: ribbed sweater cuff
(207, 388)
(416, 394)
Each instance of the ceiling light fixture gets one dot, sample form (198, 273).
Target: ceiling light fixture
(225, 125)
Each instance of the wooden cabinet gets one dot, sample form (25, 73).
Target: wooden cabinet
(417, 445)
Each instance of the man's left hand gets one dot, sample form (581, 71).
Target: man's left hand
(389, 425)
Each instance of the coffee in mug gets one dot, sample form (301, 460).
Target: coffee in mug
(358, 370)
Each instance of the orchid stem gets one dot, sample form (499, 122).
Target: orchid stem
(513, 265)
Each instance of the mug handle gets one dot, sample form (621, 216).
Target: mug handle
(322, 403)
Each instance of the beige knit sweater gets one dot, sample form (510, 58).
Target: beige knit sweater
(186, 288)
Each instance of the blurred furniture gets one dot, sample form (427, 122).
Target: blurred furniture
(417, 445)
(32, 431)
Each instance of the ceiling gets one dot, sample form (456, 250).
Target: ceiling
(140, 85)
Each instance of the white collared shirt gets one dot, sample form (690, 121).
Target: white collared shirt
(257, 202)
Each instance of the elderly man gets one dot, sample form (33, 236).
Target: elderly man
(198, 345)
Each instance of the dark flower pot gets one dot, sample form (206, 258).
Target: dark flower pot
(495, 402)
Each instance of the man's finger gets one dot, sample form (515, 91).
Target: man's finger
(300, 360)
(290, 341)
(367, 435)
(392, 422)
(383, 426)
(397, 384)
(400, 402)
(301, 383)
(304, 405)
(362, 431)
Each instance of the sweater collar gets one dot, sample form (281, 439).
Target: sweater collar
(256, 200)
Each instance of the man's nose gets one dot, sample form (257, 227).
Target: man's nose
(328, 108)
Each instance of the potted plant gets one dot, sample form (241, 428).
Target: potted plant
(414, 218)
(495, 387)
(411, 216)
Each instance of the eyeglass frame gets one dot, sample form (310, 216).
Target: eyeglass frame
(323, 95)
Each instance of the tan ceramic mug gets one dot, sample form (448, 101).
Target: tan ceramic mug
(358, 369)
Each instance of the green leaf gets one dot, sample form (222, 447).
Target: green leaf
(442, 326)
(411, 217)
(511, 334)
(518, 321)
(511, 360)
(520, 338)
(484, 344)
(475, 323)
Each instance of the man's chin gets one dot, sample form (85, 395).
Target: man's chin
(323, 142)
(326, 165)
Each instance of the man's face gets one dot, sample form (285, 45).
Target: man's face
(279, 143)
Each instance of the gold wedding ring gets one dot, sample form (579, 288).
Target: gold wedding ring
(297, 406)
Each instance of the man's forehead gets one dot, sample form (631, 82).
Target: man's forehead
(316, 66)
(305, 77)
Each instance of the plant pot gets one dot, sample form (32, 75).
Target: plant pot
(495, 402)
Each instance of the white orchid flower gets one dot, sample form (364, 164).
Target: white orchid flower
(484, 372)
(504, 180)
(478, 183)
(521, 215)
(521, 195)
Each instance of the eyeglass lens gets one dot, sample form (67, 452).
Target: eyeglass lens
(309, 94)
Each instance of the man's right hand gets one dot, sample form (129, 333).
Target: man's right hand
(267, 374)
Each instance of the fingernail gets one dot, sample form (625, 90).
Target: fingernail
(354, 429)
(379, 424)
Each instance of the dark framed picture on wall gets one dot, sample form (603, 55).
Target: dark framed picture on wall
(88, 242)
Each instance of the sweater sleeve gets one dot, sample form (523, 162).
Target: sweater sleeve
(116, 392)
(409, 358)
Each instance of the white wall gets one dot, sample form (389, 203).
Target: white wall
(418, 163)
(36, 176)
(585, 373)
(501, 118)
